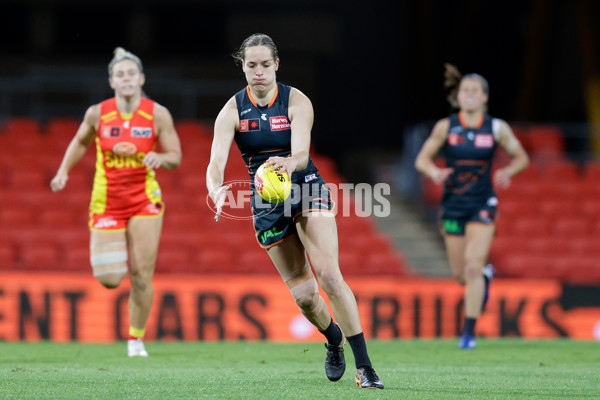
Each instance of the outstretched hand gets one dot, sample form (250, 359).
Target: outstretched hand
(219, 200)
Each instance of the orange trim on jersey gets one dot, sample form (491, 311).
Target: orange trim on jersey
(254, 101)
(260, 152)
(463, 122)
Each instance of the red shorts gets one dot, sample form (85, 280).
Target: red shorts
(117, 219)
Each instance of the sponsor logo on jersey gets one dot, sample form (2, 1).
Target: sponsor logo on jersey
(126, 124)
(245, 112)
(271, 233)
(106, 222)
(263, 117)
(310, 177)
(249, 125)
(451, 226)
(484, 140)
(153, 208)
(279, 123)
(124, 149)
(141, 132)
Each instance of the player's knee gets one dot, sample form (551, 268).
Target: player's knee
(111, 281)
(460, 278)
(306, 294)
(140, 280)
(332, 282)
(473, 271)
(109, 263)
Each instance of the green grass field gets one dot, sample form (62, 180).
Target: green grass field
(436, 369)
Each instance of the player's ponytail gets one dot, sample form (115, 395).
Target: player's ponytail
(452, 78)
(121, 54)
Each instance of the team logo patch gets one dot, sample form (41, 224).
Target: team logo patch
(454, 139)
(110, 132)
(486, 216)
(138, 132)
(279, 123)
(249, 125)
(484, 140)
(124, 149)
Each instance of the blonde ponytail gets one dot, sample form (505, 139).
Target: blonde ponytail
(121, 54)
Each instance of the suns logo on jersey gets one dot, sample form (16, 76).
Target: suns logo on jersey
(112, 160)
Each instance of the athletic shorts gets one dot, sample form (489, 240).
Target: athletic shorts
(453, 223)
(117, 219)
(274, 223)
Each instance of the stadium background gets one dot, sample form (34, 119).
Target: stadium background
(374, 74)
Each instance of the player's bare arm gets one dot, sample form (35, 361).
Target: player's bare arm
(520, 160)
(301, 116)
(424, 161)
(226, 124)
(77, 147)
(170, 155)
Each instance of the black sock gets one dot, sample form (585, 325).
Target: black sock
(469, 328)
(333, 333)
(359, 348)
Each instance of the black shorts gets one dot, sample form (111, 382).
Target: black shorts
(274, 223)
(453, 223)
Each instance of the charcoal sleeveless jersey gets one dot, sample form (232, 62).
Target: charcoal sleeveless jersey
(265, 131)
(122, 183)
(469, 150)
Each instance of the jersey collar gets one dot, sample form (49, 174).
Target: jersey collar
(254, 101)
(464, 123)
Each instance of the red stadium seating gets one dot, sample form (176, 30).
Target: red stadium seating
(8, 255)
(547, 140)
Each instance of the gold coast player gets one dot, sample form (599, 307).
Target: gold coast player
(468, 140)
(272, 122)
(126, 209)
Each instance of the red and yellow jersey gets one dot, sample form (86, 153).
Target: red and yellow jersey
(123, 183)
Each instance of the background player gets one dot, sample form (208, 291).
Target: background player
(468, 141)
(126, 209)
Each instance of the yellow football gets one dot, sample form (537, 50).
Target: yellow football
(273, 186)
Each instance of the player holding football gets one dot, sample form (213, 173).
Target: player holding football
(272, 122)
(126, 209)
(468, 141)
